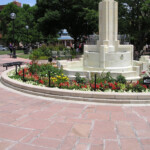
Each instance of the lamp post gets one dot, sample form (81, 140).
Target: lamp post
(27, 27)
(13, 17)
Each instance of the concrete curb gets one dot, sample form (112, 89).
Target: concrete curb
(89, 96)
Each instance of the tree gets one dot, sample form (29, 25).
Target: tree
(6, 22)
(78, 17)
(48, 16)
(27, 17)
(24, 16)
(134, 20)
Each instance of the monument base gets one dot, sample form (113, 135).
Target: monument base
(72, 67)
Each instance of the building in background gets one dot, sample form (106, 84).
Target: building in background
(15, 2)
(65, 38)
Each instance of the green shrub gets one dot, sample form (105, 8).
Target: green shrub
(43, 69)
(138, 88)
(102, 78)
(35, 55)
(121, 79)
(46, 51)
(79, 79)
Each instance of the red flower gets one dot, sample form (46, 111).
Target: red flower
(110, 84)
(93, 86)
(25, 69)
(36, 78)
(84, 86)
(113, 88)
(61, 84)
(30, 74)
(20, 73)
(101, 84)
(66, 83)
(97, 86)
(116, 83)
(137, 82)
(74, 81)
(41, 81)
(144, 86)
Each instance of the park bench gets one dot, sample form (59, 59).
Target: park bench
(54, 54)
(61, 54)
(68, 56)
(65, 54)
(17, 63)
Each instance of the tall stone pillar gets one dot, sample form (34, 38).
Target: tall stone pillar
(108, 23)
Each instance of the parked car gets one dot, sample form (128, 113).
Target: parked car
(2, 48)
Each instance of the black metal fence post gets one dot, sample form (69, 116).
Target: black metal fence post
(16, 70)
(95, 82)
(23, 76)
(49, 78)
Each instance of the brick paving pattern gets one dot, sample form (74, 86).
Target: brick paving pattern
(30, 123)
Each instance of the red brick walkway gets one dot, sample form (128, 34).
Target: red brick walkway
(32, 123)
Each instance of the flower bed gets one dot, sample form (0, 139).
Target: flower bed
(38, 75)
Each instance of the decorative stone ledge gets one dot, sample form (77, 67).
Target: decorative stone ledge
(89, 96)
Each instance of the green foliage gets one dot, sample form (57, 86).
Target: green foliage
(121, 79)
(138, 88)
(24, 16)
(80, 18)
(79, 79)
(122, 87)
(35, 55)
(46, 51)
(43, 69)
(38, 74)
(134, 20)
(48, 16)
(108, 77)
(102, 77)
(73, 52)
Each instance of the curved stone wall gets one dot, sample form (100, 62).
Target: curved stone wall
(101, 97)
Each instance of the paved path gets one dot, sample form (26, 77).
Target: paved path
(34, 123)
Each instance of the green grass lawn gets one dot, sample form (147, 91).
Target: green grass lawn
(19, 53)
(8, 52)
(26, 56)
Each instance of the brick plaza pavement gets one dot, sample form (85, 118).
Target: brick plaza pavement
(34, 123)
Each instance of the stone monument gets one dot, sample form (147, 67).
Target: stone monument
(107, 55)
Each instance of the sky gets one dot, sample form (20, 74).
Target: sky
(30, 2)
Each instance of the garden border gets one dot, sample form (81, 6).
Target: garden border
(89, 96)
